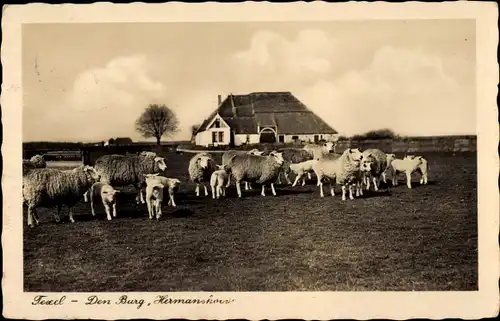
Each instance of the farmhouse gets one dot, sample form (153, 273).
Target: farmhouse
(261, 117)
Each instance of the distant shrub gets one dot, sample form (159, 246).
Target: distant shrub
(376, 134)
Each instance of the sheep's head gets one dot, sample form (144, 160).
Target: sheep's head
(354, 154)
(108, 193)
(220, 166)
(329, 147)
(160, 162)
(203, 161)
(38, 161)
(365, 164)
(390, 158)
(278, 157)
(92, 173)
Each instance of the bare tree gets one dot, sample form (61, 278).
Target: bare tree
(157, 121)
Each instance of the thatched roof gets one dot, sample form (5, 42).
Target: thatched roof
(244, 113)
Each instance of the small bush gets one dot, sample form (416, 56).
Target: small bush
(376, 134)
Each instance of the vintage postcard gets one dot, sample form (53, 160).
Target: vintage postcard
(250, 160)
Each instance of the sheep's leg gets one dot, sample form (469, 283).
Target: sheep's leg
(357, 189)
(288, 179)
(360, 186)
(70, 212)
(350, 192)
(384, 177)
(246, 186)
(213, 191)
(205, 188)
(238, 188)
(296, 180)
(425, 178)
(86, 196)
(332, 190)
(223, 191)
(30, 216)
(35, 216)
(343, 193)
(172, 201)
(309, 176)
(303, 181)
(197, 190)
(375, 183)
(320, 184)
(408, 179)
(150, 209)
(272, 189)
(141, 195)
(114, 209)
(158, 210)
(92, 207)
(263, 193)
(108, 211)
(228, 180)
(367, 180)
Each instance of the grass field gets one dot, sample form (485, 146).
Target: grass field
(419, 239)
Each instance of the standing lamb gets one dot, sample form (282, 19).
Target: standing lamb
(407, 165)
(171, 184)
(345, 170)
(154, 198)
(422, 169)
(293, 155)
(226, 156)
(201, 167)
(378, 167)
(48, 187)
(300, 169)
(123, 170)
(259, 169)
(218, 182)
(107, 194)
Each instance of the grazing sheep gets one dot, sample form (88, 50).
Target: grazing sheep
(107, 194)
(218, 182)
(172, 185)
(378, 167)
(48, 187)
(422, 169)
(408, 165)
(154, 198)
(123, 170)
(226, 156)
(259, 169)
(300, 169)
(34, 162)
(318, 150)
(345, 170)
(201, 167)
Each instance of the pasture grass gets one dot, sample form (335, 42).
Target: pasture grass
(421, 239)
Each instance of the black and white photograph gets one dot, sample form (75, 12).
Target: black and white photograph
(245, 154)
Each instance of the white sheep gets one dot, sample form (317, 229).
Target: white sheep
(259, 169)
(379, 165)
(345, 170)
(226, 156)
(49, 187)
(218, 182)
(154, 198)
(201, 167)
(407, 165)
(422, 169)
(300, 169)
(107, 194)
(123, 170)
(171, 184)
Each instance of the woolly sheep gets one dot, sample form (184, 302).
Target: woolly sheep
(34, 162)
(259, 169)
(201, 167)
(218, 182)
(300, 169)
(171, 184)
(48, 187)
(123, 170)
(345, 170)
(378, 167)
(422, 169)
(107, 194)
(226, 156)
(154, 198)
(407, 165)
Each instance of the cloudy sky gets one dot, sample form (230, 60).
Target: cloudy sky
(88, 82)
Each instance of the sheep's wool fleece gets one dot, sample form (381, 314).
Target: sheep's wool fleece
(226, 156)
(219, 177)
(97, 188)
(124, 170)
(379, 159)
(49, 187)
(198, 174)
(343, 169)
(252, 168)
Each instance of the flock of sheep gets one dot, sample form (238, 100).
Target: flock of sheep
(352, 169)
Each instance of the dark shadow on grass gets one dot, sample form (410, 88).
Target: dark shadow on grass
(181, 212)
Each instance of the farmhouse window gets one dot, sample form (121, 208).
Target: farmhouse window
(282, 138)
(295, 137)
(214, 137)
(217, 123)
(221, 137)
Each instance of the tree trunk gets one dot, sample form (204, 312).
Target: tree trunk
(158, 141)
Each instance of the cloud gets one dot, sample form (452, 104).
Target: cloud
(405, 89)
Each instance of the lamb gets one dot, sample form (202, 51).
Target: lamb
(422, 169)
(154, 198)
(172, 184)
(226, 156)
(378, 167)
(218, 182)
(300, 169)
(107, 194)
(48, 187)
(345, 170)
(293, 155)
(201, 167)
(408, 165)
(34, 162)
(123, 170)
(259, 169)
